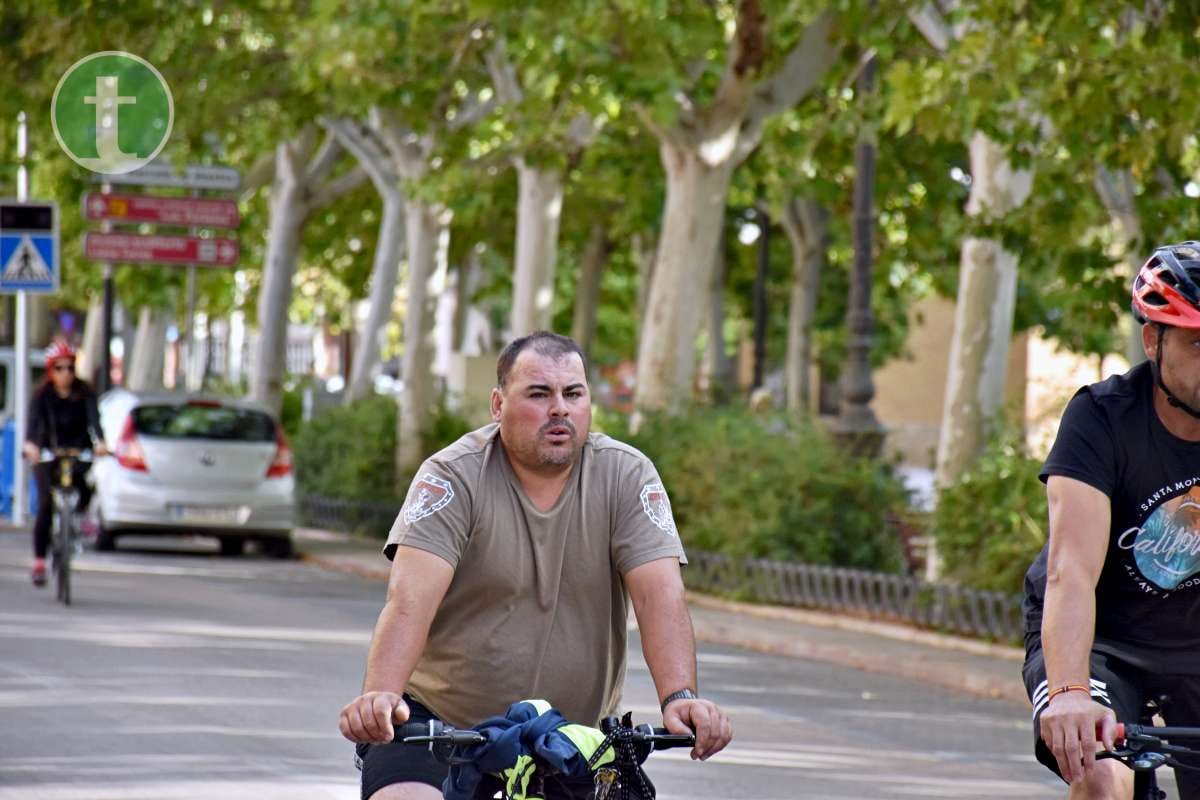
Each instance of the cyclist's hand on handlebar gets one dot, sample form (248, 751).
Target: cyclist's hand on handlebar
(370, 717)
(705, 719)
(1075, 727)
(31, 452)
(100, 449)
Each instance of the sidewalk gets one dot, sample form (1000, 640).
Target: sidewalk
(952, 662)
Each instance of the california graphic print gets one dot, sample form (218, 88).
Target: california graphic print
(1166, 548)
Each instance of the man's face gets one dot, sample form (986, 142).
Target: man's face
(545, 411)
(1180, 362)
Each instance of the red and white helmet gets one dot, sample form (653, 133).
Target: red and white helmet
(59, 350)
(1167, 287)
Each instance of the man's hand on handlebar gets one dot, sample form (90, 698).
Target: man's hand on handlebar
(31, 452)
(100, 449)
(1075, 727)
(703, 717)
(370, 717)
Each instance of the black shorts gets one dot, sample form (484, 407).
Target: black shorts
(385, 764)
(1125, 689)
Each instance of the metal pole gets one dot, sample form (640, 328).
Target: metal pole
(189, 342)
(22, 342)
(760, 295)
(106, 333)
(858, 426)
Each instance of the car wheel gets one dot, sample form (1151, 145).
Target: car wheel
(232, 545)
(278, 546)
(106, 538)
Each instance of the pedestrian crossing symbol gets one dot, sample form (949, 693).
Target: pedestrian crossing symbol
(29, 259)
(26, 264)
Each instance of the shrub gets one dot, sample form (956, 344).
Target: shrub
(990, 524)
(349, 452)
(746, 485)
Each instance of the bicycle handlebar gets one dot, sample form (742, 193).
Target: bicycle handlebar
(48, 456)
(436, 732)
(1148, 733)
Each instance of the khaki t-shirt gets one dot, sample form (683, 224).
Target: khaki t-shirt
(536, 607)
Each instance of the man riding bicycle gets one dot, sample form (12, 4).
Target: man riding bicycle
(514, 559)
(1112, 603)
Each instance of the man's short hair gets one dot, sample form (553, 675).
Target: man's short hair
(544, 343)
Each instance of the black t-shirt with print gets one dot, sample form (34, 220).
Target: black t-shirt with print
(1148, 595)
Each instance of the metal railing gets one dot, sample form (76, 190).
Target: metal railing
(350, 516)
(873, 595)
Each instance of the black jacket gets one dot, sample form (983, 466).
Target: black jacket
(69, 422)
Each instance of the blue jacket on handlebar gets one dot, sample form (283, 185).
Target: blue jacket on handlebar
(531, 734)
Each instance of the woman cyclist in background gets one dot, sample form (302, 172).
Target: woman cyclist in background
(62, 415)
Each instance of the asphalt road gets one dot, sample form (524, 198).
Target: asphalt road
(180, 674)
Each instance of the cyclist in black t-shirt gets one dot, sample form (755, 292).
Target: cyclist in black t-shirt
(1112, 603)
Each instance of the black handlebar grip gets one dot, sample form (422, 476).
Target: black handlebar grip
(665, 740)
(410, 729)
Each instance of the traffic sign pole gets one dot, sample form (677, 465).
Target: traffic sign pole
(22, 377)
(107, 327)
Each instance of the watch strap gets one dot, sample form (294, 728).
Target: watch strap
(682, 694)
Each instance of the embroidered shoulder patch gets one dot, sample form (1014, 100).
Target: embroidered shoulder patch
(429, 494)
(658, 507)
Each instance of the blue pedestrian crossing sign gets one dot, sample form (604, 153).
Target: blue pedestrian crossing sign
(29, 255)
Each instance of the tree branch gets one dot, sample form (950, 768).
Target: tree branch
(747, 54)
(928, 20)
(259, 175)
(658, 131)
(326, 157)
(802, 70)
(473, 110)
(343, 184)
(357, 139)
(504, 74)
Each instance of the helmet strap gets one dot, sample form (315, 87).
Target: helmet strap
(1171, 399)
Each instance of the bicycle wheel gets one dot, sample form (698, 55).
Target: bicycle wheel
(64, 548)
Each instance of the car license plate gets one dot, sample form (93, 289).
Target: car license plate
(211, 515)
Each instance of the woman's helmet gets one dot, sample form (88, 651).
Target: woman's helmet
(59, 350)
(1167, 287)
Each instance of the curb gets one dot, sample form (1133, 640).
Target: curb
(887, 630)
(927, 666)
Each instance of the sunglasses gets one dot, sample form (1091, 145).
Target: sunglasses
(64, 367)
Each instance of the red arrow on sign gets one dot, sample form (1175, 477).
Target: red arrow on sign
(162, 210)
(161, 249)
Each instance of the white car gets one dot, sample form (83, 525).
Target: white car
(194, 464)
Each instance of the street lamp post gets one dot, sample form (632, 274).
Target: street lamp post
(857, 427)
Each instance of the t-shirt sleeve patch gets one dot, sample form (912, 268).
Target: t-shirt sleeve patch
(429, 495)
(657, 506)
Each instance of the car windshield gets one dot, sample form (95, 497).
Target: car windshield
(204, 421)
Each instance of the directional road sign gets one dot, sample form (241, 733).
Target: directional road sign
(161, 249)
(193, 176)
(29, 256)
(186, 211)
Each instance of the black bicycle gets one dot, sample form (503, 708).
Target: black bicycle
(64, 530)
(622, 778)
(1145, 748)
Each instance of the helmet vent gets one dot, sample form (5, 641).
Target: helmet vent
(1154, 299)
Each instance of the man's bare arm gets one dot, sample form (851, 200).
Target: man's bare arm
(669, 647)
(1079, 521)
(416, 586)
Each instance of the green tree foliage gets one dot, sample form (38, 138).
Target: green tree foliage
(770, 487)
(991, 523)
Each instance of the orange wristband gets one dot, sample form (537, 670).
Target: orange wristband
(1073, 687)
